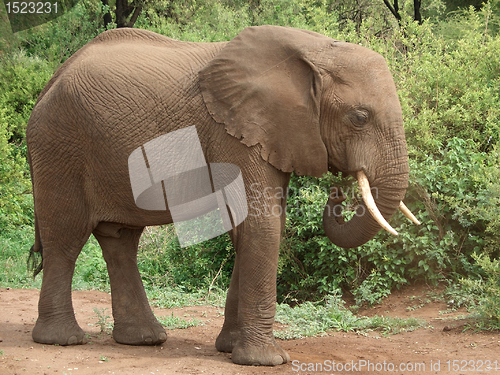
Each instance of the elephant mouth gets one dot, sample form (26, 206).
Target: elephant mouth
(364, 186)
(371, 206)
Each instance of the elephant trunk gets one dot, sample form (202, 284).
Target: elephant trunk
(379, 204)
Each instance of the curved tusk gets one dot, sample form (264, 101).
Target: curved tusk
(408, 213)
(364, 186)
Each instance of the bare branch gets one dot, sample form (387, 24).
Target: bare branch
(136, 14)
(394, 9)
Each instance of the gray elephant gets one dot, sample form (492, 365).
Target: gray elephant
(272, 101)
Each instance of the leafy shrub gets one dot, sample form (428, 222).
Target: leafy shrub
(57, 40)
(189, 20)
(464, 194)
(163, 262)
(15, 200)
(14, 245)
(485, 292)
(21, 80)
(91, 271)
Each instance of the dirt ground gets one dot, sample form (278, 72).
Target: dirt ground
(442, 348)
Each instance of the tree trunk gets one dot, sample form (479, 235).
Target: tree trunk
(122, 12)
(394, 9)
(416, 6)
(107, 17)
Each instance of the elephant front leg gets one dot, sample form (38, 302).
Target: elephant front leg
(229, 332)
(255, 343)
(250, 335)
(134, 322)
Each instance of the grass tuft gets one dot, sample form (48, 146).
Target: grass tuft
(312, 319)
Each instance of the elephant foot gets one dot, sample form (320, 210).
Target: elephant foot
(135, 334)
(264, 355)
(57, 333)
(225, 340)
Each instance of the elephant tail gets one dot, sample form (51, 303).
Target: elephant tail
(35, 258)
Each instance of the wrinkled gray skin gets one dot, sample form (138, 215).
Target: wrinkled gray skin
(272, 101)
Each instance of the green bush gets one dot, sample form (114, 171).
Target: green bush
(21, 80)
(16, 201)
(447, 74)
(485, 292)
(57, 40)
(163, 263)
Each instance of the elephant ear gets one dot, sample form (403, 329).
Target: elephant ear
(265, 90)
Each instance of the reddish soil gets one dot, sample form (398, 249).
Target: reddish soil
(192, 351)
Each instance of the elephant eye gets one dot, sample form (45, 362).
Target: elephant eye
(360, 117)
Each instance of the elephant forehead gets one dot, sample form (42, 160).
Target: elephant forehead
(367, 86)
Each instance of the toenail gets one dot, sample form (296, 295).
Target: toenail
(277, 360)
(72, 340)
(162, 337)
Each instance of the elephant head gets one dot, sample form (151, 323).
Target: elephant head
(314, 104)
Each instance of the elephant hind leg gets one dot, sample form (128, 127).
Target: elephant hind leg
(56, 323)
(134, 322)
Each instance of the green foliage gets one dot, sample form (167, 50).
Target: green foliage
(91, 271)
(103, 320)
(190, 20)
(462, 14)
(485, 292)
(14, 246)
(163, 262)
(16, 202)
(21, 80)
(311, 319)
(461, 193)
(57, 40)
(445, 98)
(174, 322)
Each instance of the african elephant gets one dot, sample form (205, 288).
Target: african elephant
(272, 101)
